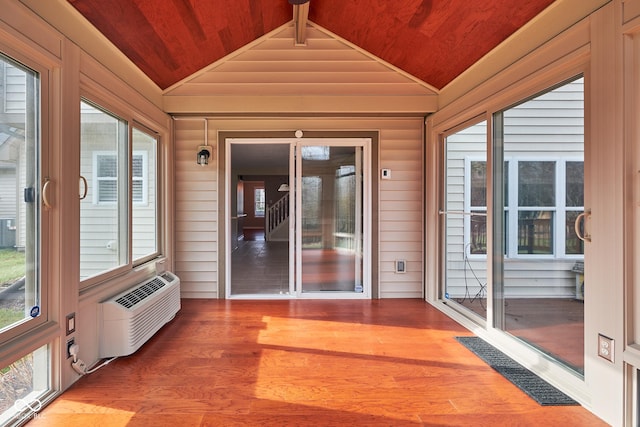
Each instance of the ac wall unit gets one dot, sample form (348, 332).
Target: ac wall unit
(129, 319)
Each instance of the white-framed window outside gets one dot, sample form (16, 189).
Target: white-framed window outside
(543, 197)
(259, 201)
(106, 177)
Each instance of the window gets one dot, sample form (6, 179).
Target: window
(119, 161)
(258, 199)
(536, 205)
(24, 238)
(478, 208)
(106, 167)
(574, 202)
(538, 185)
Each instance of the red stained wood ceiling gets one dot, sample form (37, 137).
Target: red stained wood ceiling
(434, 40)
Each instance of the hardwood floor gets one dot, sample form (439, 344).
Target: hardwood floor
(299, 363)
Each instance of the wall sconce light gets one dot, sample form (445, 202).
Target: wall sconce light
(204, 153)
(283, 187)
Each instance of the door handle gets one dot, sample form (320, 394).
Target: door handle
(45, 194)
(585, 237)
(86, 187)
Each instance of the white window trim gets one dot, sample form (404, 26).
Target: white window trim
(560, 209)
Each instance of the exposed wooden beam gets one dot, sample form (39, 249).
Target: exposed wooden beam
(300, 18)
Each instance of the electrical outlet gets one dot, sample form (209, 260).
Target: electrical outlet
(70, 342)
(605, 347)
(71, 323)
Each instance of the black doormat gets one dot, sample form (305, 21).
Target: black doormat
(534, 386)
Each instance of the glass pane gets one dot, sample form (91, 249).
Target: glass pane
(331, 223)
(108, 191)
(535, 232)
(478, 233)
(19, 195)
(573, 245)
(144, 187)
(137, 162)
(536, 183)
(478, 184)
(535, 284)
(21, 385)
(103, 213)
(575, 184)
(259, 201)
(465, 220)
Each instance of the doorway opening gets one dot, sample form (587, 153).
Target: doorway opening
(299, 218)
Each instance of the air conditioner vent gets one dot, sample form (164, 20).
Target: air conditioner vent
(127, 320)
(138, 294)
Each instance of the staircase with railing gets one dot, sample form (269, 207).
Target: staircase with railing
(277, 219)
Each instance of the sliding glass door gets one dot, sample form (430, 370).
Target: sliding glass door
(539, 285)
(330, 203)
(513, 222)
(316, 220)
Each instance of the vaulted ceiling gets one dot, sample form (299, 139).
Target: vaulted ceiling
(433, 40)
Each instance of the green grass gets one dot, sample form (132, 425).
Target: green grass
(11, 265)
(9, 316)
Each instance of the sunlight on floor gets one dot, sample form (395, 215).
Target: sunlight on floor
(393, 355)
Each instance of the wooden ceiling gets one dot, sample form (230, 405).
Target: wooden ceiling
(434, 40)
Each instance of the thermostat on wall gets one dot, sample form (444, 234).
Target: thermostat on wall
(386, 173)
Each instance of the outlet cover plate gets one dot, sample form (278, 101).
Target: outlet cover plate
(605, 348)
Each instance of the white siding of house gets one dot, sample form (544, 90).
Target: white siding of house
(8, 189)
(197, 255)
(15, 89)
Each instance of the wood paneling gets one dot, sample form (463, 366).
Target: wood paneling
(435, 42)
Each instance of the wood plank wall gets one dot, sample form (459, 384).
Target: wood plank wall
(198, 257)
